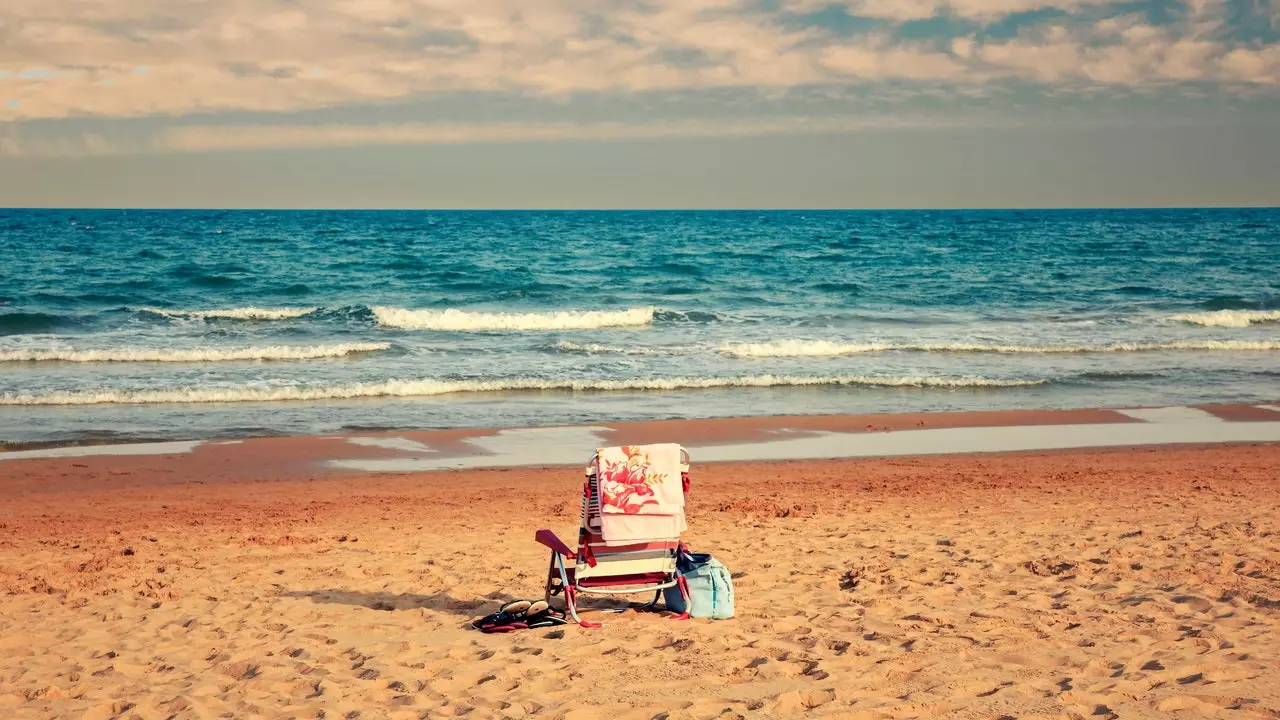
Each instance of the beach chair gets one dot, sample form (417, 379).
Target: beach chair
(614, 567)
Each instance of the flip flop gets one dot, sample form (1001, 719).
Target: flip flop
(547, 620)
(509, 617)
(542, 615)
(504, 628)
(516, 607)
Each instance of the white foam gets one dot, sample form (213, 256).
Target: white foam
(467, 321)
(1229, 318)
(191, 355)
(245, 313)
(828, 348)
(160, 448)
(417, 388)
(801, 348)
(598, 349)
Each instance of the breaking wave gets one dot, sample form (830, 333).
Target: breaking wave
(467, 321)
(192, 355)
(1229, 318)
(245, 313)
(428, 387)
(827, 348)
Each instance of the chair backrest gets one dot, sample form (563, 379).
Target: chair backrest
(590, 517)
(620, 563)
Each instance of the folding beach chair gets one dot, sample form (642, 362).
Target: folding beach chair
(613, 568)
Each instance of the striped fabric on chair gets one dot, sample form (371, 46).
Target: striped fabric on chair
(655, 557)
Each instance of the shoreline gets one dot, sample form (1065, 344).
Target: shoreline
(715, 440)
(1259, 410)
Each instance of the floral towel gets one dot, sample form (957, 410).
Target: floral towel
(641, 480)
(616, 528)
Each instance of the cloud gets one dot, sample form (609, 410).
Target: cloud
(899, 63)
(905, 10)
(134, 58)
(230, 138)
(1126, 52)
(15, 143)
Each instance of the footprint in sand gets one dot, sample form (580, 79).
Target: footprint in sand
(915, 710)
(838, 646)
(800, 701)
(982, 689)
(1196, 604)
(1201, 704)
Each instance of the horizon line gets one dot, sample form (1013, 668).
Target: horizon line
(988, 208)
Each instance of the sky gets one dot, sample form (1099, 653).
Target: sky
(639, 103)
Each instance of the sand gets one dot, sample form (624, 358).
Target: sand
(1079, 583)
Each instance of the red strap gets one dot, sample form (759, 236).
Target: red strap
(684, 479)
(683, 586)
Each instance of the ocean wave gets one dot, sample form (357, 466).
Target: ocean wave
(23, 323)
(468, 321)
(1229, 318)
(192, 355)
(428, 387)
(691, 316)
(565, 346)
(828, 348)
(1118, 376)
(245, 313)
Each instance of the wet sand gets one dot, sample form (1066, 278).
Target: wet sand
(234, 580)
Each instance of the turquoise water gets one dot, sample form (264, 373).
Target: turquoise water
(167, 324)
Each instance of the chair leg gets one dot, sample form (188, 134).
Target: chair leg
(551, 589)
(571, 595)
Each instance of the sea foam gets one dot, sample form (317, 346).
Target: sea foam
(828, 348)
(468, 321)
(191, 355)
(565, 346)
(1229, 318)
(428, 387)
(244, 313)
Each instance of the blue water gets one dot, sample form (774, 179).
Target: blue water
(167, 324)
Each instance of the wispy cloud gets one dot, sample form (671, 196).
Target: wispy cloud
(904, 10)
(222, 138)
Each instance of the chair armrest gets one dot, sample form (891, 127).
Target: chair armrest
(548, 538)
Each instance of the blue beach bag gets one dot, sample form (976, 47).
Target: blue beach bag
(710, 587)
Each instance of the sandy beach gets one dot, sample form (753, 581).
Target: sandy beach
(249, 580)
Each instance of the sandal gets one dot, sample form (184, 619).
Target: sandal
(541, 615)
(509, 617)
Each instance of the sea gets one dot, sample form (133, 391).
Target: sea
(125, 325)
